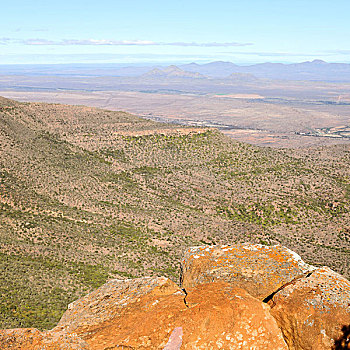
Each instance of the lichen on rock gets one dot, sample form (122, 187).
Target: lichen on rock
(243, 296)
(257, 268)
(312, 311)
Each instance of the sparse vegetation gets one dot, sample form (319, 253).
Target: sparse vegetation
(87, 195)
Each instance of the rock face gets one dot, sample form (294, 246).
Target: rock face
(151, 313)
(33, 339)
(109, 301)
(222, 316)
(258, 269)
(222, 307)
(312, 311)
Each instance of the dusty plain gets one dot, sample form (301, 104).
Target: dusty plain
(91, 194)
(276, 113)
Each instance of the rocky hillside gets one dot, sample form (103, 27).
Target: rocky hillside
(88, 195)
(239, 296)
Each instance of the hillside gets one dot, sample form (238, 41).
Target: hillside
(89, 194)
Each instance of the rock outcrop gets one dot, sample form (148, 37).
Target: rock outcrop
(312, 311)
(113, 299)
(33, 339)
(258, 269)
(235, 297)
(153, 314)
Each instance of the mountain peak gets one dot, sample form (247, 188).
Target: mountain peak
(317, 61)
(172, 71)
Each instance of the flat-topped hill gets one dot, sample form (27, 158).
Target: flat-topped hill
(89, 194)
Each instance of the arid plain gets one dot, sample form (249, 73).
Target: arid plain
(91, 194)
(245, 118)
(265, 112)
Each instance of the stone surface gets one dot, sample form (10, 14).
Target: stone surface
(258, 269)
(152, 313)
(215, 316)
(313, 311)
(222, 316)
(106, 302)
(33, 339)
(304, 308)
(19, 338)
(175, 340)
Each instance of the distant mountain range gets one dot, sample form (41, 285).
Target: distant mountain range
(316, 70)
(172, 71)
(176, 72)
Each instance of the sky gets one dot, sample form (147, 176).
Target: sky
(139, 31)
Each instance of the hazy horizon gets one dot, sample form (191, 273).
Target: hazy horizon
(151, 63)
(181, 32)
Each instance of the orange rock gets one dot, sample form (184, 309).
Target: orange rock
(108, 301)
(310, 308)
(19, 338)
(258, 269)
(33, 339)
(222, 316)
(152, 314)
(313, 311)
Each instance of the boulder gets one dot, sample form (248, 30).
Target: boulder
(33, 339)
(314, 311)
(19, 338)
(236, 297)
(259, 269)
(153, 313)
(222, 316)
(108, 301)
(213, 316)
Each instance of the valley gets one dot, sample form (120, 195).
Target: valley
(260, 121)
(90, 194)
(263, 110)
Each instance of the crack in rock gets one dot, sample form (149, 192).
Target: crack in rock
(293, 281)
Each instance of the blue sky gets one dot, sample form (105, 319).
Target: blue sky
(137, 31)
